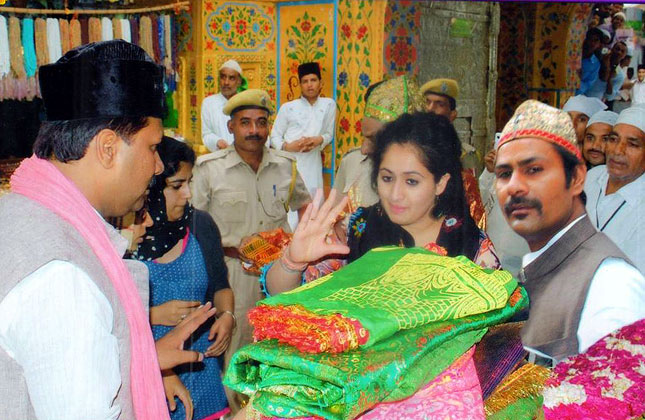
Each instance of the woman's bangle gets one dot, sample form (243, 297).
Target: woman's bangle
(290, 266)
(231, 314)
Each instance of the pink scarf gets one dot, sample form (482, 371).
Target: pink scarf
(41, 181)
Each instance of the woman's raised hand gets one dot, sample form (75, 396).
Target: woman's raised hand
(312, 239)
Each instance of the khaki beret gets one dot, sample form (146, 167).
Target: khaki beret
(446, 87)
(533, 119)
(251, 98)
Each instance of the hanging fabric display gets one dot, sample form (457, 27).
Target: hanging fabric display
(53, 40)
(42, 50)
(125, 30)
(134, 31)
(5, 64)
(94, 29)
(107, 32)
(145, 36)
(116, 27)
(26, 43)
(64, 35)
(75, 34)
(155, 37)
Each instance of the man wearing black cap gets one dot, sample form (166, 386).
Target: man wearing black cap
(75, 341)
(305, 126)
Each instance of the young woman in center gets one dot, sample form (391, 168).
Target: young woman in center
(417, 174)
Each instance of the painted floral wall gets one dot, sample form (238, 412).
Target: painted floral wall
(269, 39)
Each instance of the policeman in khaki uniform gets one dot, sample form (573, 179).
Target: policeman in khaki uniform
(247, 188)
(354, 179)
(440, 96)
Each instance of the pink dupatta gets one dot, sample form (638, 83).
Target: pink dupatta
(41, 181)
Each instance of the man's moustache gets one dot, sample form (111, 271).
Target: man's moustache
(256, 138)
(522, 201)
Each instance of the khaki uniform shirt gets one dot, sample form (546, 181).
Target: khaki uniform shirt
(241, 201)
(354, 179)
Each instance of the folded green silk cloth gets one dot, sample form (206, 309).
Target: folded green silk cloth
(285, 382)
(388, 289)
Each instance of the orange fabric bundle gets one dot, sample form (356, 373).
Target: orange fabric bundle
(64, 35)
(116, 28)
(74, 33)
(264, 248)
(95, 29)
(145, 36)
(15, 48)
(308, 332)
(40, 35)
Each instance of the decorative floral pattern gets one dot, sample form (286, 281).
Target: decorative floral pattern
(401, 38)
(517, 23)
(306, 40)
(360, 54)
(238, 27)
(605, 382)
(192, 89)
(185, 31)
(209, 79)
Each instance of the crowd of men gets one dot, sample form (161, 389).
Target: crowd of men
(581, 230)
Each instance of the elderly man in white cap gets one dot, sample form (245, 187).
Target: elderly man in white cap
(598, 129)
(580, 109)
(616, 191)
(215, 133)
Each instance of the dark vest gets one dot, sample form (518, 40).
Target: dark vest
(557, 283)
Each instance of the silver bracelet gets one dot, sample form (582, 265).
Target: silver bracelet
(231, 314)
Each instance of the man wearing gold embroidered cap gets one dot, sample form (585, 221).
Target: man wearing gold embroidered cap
(247, 188)
(580, 285)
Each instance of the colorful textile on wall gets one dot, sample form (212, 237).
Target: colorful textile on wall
(605, 382)
(514, 60)
(264, 248)
(386, 290)
(285, 382)
(401, 38)
(453, 395)
(518, 396)
(359, 64)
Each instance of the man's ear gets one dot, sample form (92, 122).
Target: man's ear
(106, 144)
(578, 179)
(453, 115)
(229, 125)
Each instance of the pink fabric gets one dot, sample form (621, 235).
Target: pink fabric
(455, 394)
(41, 181)
(606, 382)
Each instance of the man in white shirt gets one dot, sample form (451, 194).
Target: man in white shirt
(215, 133)
(637, 92)
(306, 125)
(580, 285)
(67, 309)
(616, 191)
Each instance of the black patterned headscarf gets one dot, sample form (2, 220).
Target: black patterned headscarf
(164, 234)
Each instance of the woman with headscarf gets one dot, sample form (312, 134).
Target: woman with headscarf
(184, 255)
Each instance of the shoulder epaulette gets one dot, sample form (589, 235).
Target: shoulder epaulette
(212, 156)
